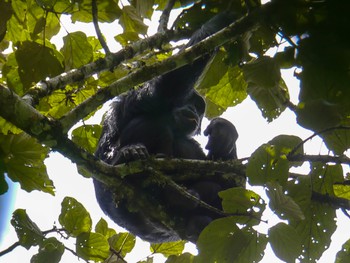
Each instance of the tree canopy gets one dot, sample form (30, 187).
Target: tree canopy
(45, 91)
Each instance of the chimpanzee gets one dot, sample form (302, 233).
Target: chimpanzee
(161, 118)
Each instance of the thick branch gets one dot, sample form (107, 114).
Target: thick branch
(49, 132)
(46, 87)
(229, 33)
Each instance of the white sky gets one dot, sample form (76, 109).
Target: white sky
(253, 131)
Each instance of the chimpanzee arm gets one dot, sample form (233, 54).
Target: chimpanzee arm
(179, 82)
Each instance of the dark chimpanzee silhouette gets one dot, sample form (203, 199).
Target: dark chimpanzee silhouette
(161, 118)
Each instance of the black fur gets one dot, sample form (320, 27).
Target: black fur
(161, 118)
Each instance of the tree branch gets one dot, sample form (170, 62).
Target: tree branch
(10, 248)
(341, 127)
(146, 73)
(164, 18)
(332, 200)
(51, 133)
(112, 60)
(320, 158)
(97, 28)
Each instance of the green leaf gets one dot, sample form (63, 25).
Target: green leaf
(51, 250)
(127, 38)
(131, 21)
(123, 242)
(108, 11)
(92, 246)
(338, 140)
(284, 206)
(266, 87)
(285, 242)
(342, 191)
(24, 162)
(87, 136)
(144, 7)
(343, 256)
(4, 187)
(74, 217)
(169, 248)
(325, 176)
(183, 258)
(77, 50)
(318, 114)
(262, 39)
(319, 224)
(27, 231)
(221, 85)
(46, 4)
(8, 128)
(222, 241)
(11, 74)
(33, 62)
(5, 14)
(239, 200)
(324, 58)
(265, 166)
(269, 162)
(102, 228)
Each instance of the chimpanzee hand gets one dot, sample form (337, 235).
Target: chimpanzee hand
(131, 153)
(222, 140)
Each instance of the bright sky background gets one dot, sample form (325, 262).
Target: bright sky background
(253, 131)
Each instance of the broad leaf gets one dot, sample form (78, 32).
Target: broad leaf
(168, 249)
(337, 140)
(221, 85)
(266, 87)
(102, 228)
(27, 231)
(319, 224)
(285, 242)
(122, 242)
(342, 191)
(183, 258)
(222, 241)
(318, 115)
(131, 21)
(87, 136)
(32, 62)
(77, 50)
(343, 256)
(92, 246)
(108, 11)
(283, 205)
(325, 176)
(24, 162)
(50, 250)
(238, 200)
(74, 217)
(269, 162)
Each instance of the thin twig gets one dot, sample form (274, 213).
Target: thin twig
(164, 18)
(332, 200)
(10, 248)
(320, 158)
(97, 28)
(292, 152)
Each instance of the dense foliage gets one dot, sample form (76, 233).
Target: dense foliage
(44, 91)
